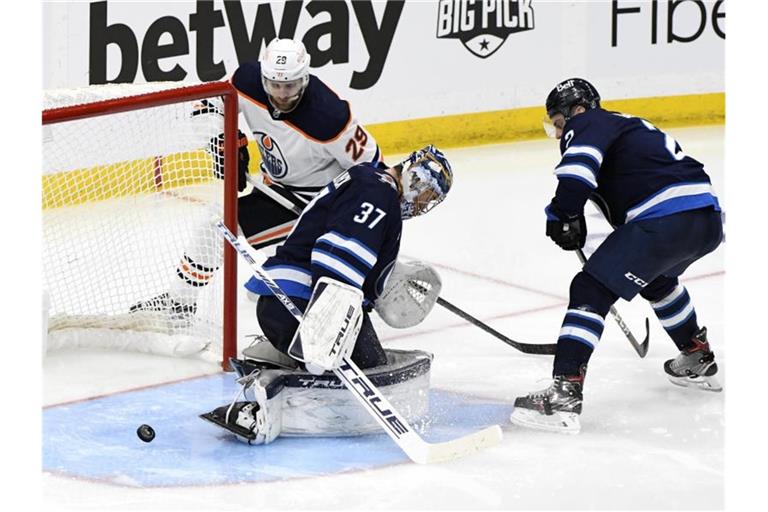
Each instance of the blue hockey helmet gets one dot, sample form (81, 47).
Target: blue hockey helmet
(570, 93)
(426, 177)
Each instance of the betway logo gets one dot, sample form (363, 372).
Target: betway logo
(248, 37)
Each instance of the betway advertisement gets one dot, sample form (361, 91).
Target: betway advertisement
(397, 60)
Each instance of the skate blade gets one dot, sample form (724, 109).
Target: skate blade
(700, 382)
(559, 422)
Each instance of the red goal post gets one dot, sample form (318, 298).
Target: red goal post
(175, 95)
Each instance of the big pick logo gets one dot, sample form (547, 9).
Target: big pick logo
(483, 25)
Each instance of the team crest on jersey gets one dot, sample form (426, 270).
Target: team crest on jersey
(272, 159)
(483, 26)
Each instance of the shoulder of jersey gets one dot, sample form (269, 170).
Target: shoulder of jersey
(247, 80)
(321, 114)
(373, 178)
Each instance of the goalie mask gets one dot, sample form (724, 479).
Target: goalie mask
(426, 178)
(284, 72)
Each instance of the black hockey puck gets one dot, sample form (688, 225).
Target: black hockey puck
(145, 433)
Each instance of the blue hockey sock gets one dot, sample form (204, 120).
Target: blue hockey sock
(583, 324)
(678, 316)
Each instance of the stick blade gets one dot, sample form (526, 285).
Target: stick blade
(642, 349)
(457, 448)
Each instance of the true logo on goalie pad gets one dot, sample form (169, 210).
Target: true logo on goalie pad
(343, 330)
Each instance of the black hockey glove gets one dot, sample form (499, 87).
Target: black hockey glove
(569, 231)
(216, 147)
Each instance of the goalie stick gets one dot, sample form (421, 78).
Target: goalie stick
(377, 405)
(640, 348)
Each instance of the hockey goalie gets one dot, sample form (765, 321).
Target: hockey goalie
(337, 266)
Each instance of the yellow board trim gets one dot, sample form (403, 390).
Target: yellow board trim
(474, 129)
(526, 123)
(130, 178)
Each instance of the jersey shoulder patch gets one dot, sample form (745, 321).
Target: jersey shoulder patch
(247, 81)
(321, 114)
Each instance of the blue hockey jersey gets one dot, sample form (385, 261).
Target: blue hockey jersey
(349, 232)
(629, 168)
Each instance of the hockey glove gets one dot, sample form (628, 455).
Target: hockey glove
(569, 231)
(216, 147)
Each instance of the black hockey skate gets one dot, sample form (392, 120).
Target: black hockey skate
(695, 366)
(554, 409)
(179, 313)
(242, 419)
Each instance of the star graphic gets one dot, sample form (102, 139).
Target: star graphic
(484, 44)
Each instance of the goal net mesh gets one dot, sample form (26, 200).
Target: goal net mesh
(130, 255)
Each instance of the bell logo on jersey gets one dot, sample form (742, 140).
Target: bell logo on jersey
(483, 26)
(272, 159)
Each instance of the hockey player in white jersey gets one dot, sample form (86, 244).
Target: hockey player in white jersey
(306, 135)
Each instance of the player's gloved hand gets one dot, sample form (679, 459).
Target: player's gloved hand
(569, 231)
(216, 147)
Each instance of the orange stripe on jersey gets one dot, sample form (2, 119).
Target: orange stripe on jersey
(270, 235)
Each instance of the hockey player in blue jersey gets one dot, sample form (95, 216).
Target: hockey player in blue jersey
(666, 216)
(348, 234)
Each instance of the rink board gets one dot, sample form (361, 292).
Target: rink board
(96, 439)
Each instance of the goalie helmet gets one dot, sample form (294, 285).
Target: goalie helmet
(284, 72)
(570, 93)
(426, 177)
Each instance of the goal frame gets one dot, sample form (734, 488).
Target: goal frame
(177, 95)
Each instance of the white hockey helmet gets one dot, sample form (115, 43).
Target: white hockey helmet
(426, 177)
(284, 72)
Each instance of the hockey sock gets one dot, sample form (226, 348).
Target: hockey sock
(678, 316)
(583, 324)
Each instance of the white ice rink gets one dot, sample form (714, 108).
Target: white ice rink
(645, 444)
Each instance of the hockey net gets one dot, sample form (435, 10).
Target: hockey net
(129, 186)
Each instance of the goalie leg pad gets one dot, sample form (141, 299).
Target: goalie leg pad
(330, 326)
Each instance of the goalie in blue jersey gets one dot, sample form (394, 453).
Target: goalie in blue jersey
(346, 239)
(666, 216)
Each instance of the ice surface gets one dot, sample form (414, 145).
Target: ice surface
(645, 444)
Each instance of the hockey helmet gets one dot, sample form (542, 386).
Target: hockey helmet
(426, 177)
(570, 93)
(284, 71)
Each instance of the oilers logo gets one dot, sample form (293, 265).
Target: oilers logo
(272, 159)
(483, 25)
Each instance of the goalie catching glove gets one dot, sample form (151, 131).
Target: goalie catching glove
(409, 295)
(330, 326)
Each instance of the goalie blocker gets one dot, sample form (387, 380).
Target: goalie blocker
(281, 400)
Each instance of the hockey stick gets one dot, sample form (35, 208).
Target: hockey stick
(640, 348)
(377, 405)
(527, 348)
(267, 191)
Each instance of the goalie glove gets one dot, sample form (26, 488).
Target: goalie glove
(216, 148)
(409, 294)
(330, 326)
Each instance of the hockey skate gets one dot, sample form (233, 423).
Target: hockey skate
(695, 367)
(242, 419)
(554, 409)
(180, 314)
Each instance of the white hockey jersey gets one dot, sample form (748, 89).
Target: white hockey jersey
(306, 148)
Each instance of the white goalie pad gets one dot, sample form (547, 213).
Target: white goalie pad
(330, 326)
(409, 294)
(298, 404)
